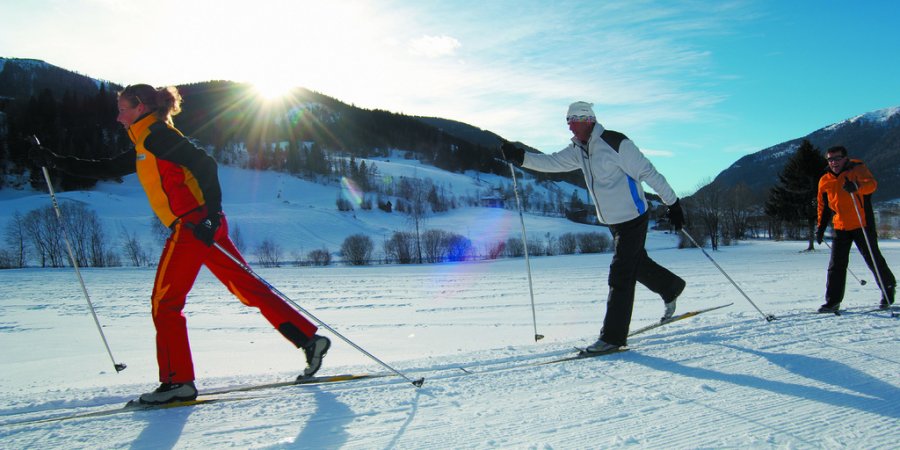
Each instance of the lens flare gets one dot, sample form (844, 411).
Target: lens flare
(351, 192)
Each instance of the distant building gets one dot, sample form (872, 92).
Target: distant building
(492, 201)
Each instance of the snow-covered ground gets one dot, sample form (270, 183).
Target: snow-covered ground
(726, 379)
(300, 215)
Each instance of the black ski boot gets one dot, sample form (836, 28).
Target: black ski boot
(887, 302)
(315, 351)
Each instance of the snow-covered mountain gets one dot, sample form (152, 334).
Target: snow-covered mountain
(873, 137)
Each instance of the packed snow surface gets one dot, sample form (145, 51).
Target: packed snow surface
(725, 379)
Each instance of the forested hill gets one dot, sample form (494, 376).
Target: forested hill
(75, 115)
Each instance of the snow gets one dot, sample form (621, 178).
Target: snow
(878, 116)
(725, 379)
(301, 215)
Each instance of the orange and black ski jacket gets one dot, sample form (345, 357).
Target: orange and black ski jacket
(833, 199)
(177, 176)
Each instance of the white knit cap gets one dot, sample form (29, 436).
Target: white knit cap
(581, 112)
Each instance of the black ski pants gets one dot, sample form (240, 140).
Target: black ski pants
(840, 257)
(631, 264)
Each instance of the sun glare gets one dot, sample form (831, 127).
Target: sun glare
(272, 89)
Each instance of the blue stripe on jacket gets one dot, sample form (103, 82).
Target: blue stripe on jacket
(635, 195)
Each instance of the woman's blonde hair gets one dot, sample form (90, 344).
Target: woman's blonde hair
(164, 102)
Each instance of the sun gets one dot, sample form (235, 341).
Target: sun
(273, 89)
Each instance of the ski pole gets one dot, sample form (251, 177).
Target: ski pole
(861, 282)
(417, 383)
(869, 246)
(512, 171)
(768, 317)
(118, 366)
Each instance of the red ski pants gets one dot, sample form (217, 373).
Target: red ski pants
(178, 267)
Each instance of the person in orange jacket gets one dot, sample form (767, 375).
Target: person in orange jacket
(844, 199)
(182, 184)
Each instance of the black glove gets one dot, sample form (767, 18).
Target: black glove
(512, 154)
(820, 235)
(676, 215)
(39, 156)
(205, 230)
(850, 186)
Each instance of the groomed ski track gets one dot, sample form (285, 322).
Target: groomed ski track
(725, 379)
(674, 389)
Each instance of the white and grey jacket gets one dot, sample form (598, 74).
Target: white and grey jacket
(614, 170)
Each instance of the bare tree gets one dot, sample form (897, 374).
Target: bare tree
(551, 245)
(16, 238)
(357, 249)
(459, 248)
(319, 257)
(708, 209)
(269, 253)
(416, 194)
(45, 236)
(568, 244)
(6, 260)
(515, 248)
(133, 248)
(536, 247)
(44, 230)
(434, 243)
(400, 247)
(738, 209)
(237, 238)
(594, 242)
(160, 232)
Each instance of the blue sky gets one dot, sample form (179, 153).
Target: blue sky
(696, 84)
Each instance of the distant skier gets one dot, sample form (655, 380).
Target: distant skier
(614, 169)
(182, 185)
(848, 181)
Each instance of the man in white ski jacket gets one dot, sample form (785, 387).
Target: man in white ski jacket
(614, 170)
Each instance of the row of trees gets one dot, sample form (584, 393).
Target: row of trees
(788, 211)
(39, 234)
(443, 246)
(38, 237)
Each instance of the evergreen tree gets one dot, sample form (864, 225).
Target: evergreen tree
(793, 199)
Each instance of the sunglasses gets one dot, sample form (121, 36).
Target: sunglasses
(835, 158)
(580, 118)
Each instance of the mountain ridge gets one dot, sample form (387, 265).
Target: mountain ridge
(873, 137)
